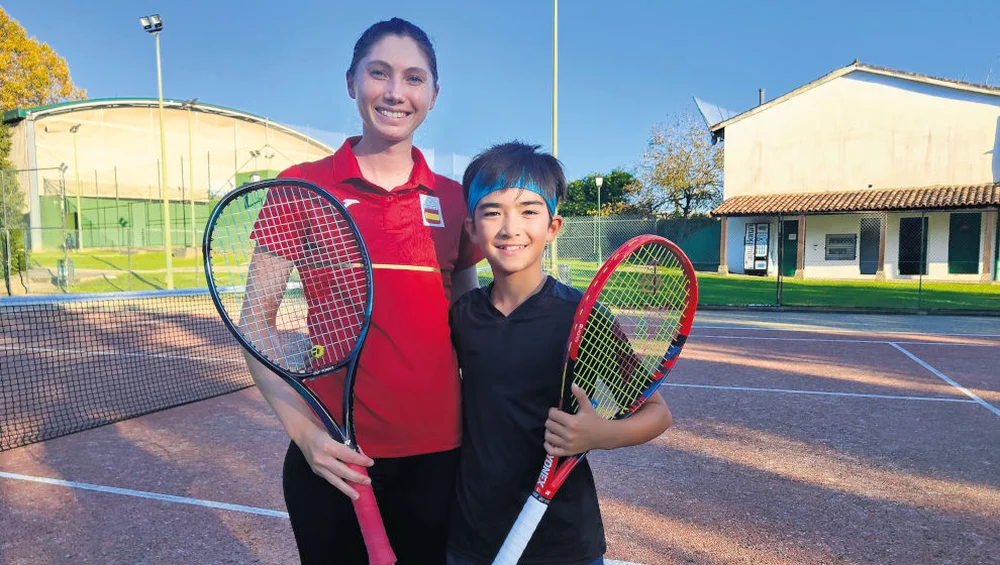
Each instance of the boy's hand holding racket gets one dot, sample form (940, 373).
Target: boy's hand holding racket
(569, 434)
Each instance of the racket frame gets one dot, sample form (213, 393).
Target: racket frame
(365, 505)
(344, 434)
(555, 470)
(553, 473)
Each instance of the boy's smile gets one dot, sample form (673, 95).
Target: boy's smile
(510, 249)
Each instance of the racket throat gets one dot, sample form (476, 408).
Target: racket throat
(540, 497)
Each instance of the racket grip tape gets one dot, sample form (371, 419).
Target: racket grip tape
(370, 520)
(521, 532)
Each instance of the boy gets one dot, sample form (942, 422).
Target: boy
(510, 338)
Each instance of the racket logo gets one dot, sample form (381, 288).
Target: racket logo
(543, 477)
(317, 351)
(252, 200)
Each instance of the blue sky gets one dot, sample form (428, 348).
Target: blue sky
(623, 66)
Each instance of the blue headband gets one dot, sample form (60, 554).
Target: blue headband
(478, 189)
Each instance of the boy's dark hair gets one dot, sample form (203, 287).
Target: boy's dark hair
(395, 26)
(516, 164)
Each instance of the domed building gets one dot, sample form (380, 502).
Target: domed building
(90, 170)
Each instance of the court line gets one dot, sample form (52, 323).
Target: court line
(149, 495)
(880, 341)
(836, 330)
(820, 393)
(945, 378)
(178, 499)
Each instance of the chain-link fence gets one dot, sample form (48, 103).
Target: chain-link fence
(136, 265)
(63, 232)
(898, 261)
(931, 260)
(594, 238)
(586, 242)
(915, 260)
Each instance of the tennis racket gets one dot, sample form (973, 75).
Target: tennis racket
(626, 336)
(290, 276)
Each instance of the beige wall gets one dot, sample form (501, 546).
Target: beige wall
(126, 140)
(863, 129)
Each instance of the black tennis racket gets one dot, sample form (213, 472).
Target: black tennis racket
(627, 334)
(290, 275)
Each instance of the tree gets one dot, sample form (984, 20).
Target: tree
(581, 196)
(31, 73)
(11, 215)
(681, 171)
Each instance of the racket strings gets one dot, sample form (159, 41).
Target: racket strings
(305, 310)
(637, 315)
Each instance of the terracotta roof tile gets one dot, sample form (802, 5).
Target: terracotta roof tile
(871, 200)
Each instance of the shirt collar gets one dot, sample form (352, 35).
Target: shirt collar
(345, 167)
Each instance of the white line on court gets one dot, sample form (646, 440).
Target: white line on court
(836, 331)
(177, 499)
(820, 393)
(945, 378)
(698, 336)
(145, 494)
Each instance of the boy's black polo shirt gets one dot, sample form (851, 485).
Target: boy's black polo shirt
(511, 376)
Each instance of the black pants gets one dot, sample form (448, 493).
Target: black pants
(414, 496)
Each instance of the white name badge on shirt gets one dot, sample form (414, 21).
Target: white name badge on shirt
(430, 211)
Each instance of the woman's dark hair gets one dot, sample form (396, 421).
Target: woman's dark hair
(395, 26)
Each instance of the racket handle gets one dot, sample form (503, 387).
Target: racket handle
(370, 520)
(520, 534)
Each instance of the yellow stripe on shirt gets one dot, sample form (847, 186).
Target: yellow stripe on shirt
(391, 267)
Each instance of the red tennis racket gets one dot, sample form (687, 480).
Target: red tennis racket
(626, 337)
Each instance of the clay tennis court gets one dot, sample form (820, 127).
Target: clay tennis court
(798, 439)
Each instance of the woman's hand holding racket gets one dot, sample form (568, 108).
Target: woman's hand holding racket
(332, 460)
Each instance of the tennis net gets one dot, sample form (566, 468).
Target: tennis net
(74, 362)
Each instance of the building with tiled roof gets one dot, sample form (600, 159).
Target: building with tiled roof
(864, 173)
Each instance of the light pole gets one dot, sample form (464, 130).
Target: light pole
(254, 153)
(268, 153)
(599, 180)
(64, 279)
(555, 78)
(554, 246)
(154, 24)
(190, 104)
(6, 231)
(76, 172)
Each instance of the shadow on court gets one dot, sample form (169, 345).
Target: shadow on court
(804, 447)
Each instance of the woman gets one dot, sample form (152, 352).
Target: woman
(407, 386)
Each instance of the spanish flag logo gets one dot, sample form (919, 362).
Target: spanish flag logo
(430, 207)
